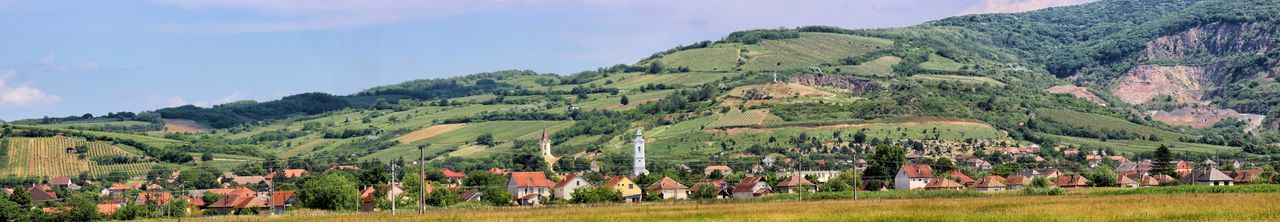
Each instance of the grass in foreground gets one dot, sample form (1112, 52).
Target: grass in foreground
(1190, 207)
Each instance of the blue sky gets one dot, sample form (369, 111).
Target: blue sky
(60, 58)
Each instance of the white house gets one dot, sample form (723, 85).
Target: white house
(564, 189)
(529, 187)
(751, 187)
(724, 170)
(669, 189)
(912, 177)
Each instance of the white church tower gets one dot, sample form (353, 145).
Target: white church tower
(637, 165)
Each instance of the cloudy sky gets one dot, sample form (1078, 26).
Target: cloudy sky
(60, 58)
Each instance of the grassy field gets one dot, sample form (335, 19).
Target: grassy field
(1101, 122)
(939, 63)
(97, 124)
(1226, 207)
(717, 58)
(955, 78)
(455, 139)
(1135, 146)
(880, 67)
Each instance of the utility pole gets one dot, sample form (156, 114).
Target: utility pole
(271, 191)
(392, 187)
(422, 185)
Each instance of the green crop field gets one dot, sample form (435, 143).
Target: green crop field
(719, 58)
(955, 78)
(939, 63)
(1101, 122)
(1135, 146)
(880, 67)
(47, 157)
(501, 130)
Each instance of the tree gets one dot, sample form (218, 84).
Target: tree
(442, 196)
(496, 196)
(625, 101)
(860, 137)
(206, 156)
(175, 208)
(596, 194)
(329, 192)
(210, 197)
(198, 178)
(1164, 160)
(884, 162)
(132, 212)
(705, 192)
(10, 211)
(82, 209)
(482, 178)
(655, 67)
(20, 196)
(1103, 177)
(485, 139)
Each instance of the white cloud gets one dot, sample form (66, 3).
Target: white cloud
(298, 15)
(173, 101)
(22, 95)
(1009, 6)
(51, 63)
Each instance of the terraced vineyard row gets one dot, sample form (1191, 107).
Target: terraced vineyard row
(737, 119)
(48, 157)
(132, 169)
(44, 157)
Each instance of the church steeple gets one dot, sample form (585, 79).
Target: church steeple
(638, 162)
(544, 147)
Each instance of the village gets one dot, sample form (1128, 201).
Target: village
(258, 194)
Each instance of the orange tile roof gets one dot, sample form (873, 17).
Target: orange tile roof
(530, 179)
(918, 171)
(942, 184)
(666, 183)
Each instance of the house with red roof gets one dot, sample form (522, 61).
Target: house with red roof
(724, 191)
(529, 187)
(564, 189)
(1126, 181)
(631, 192)
(453, 177)
(1071, 181)
(64, 182)
(153, 198)
(1016, 182)
(282, 200)
(912, 177)
(943, 184)
(794, 183)
(288, 173)
(724, 170)
(960, 177)
(668, 188)
(42, 194)
(236, 201)
(989, 183)
(751, 187)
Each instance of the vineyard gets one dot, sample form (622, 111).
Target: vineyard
(739, 119)
(48, 157)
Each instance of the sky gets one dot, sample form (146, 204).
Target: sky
(61, 57)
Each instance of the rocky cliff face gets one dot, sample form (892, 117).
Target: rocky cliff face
(1213, 40)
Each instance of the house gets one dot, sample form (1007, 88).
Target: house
(757, 169)
(1125, 181)
(282, 200)
(669, 189)
(1244, 176)
(564, 189)
(794, 183)
(250, 181)
(1209, 177)
(750, 187)
(989, 183)
(1016, 182)
(342, 167)
(912, 177)
(819, 176)
(978, 164)
(107, 209)
(1071, 181)
(453, 177)
(1181, 167)
(230, 203)
(42, 194)
(288, 173)
(1166, 179)
(1149, 181)
(1049, 173)
(470, 195)
(153, 198)
(963, 179)
(943, 184)
(529, 187)
(724, 170)
(723, 191)
(630, 191)
(118, 189)
(64, 182)
(367, 198)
